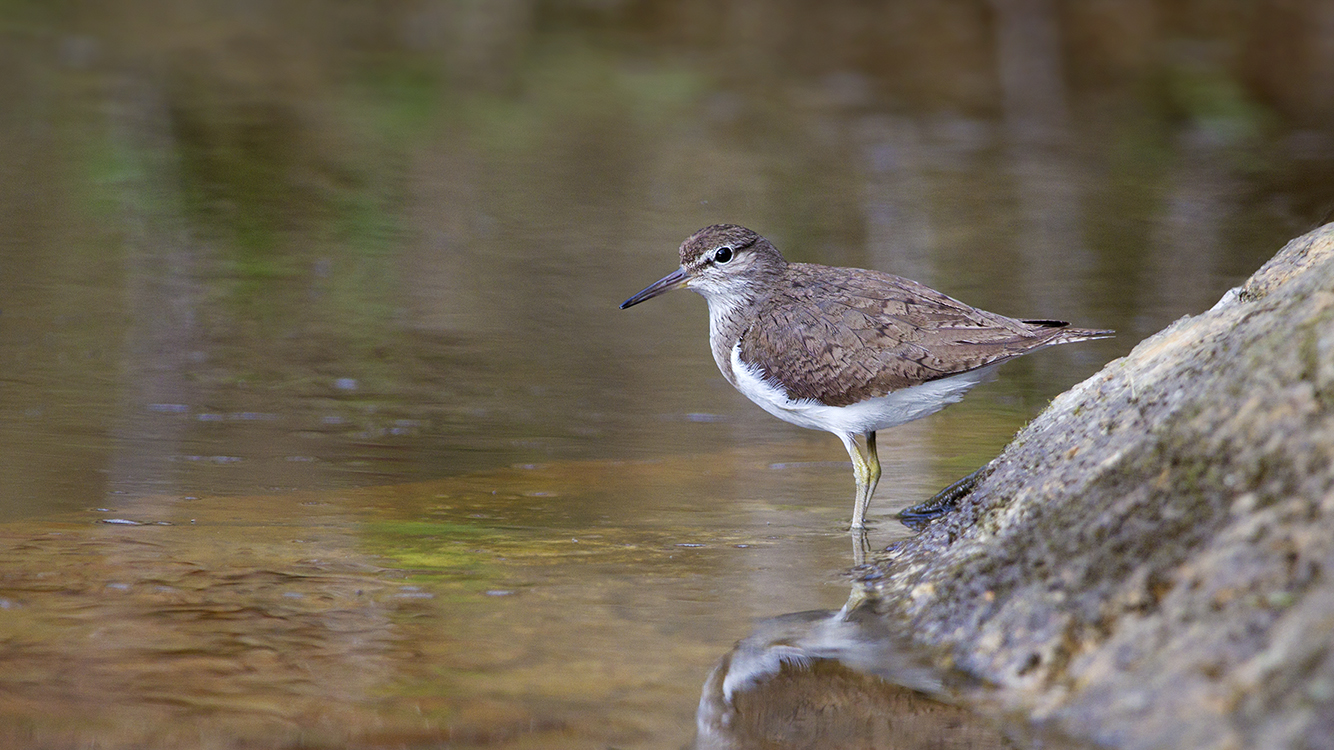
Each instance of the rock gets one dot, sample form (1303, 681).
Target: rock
(1151, 562)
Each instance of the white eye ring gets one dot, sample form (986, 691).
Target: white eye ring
(722, 254)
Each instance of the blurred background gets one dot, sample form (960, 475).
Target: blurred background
(309, 244)
(265, 265)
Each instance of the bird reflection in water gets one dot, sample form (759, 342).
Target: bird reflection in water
(826, 679)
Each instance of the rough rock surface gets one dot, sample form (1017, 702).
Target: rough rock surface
(1151, 563)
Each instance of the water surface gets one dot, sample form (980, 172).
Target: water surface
(523, 606)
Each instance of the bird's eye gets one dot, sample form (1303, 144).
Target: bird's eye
(722, 254)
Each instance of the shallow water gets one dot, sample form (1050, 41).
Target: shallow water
(319, 425)
(526, 607)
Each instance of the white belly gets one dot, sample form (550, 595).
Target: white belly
(879, 413)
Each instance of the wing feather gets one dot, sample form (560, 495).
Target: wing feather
(852, 334)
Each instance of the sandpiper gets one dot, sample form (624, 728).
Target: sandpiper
(845, 350)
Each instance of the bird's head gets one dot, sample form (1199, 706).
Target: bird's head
(722, 261)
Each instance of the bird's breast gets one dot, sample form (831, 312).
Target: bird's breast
(727, 323)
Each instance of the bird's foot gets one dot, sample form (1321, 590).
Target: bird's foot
(918, 516)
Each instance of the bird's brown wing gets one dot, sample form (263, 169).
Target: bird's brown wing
(852, 334)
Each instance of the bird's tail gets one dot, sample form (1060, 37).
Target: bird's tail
(1068, 335)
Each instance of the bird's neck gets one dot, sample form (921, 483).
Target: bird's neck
(730, 314)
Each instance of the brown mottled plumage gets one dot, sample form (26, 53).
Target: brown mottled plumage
(843, 335)
(846, 350)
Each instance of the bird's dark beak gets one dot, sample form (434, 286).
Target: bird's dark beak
(674, 280)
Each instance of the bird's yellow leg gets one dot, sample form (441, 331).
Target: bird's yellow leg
(862, 471)
(873, 467)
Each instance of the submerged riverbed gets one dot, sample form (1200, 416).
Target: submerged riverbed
(520, 607)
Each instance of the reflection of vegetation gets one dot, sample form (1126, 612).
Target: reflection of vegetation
(238, 164)
(394, 193)
(567, 88)
(265, 164)
(1214, 102)
(395, 103)
(270, 148)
